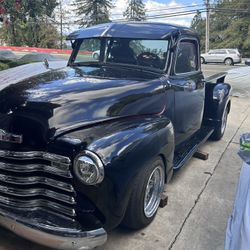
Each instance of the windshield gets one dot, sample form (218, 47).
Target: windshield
(147, 53)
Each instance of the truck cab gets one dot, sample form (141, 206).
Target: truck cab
(93, 145)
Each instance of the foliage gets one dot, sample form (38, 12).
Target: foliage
(92, 12)
(229, 25)
(3, 66)
(135, 10)
(199, 25)
(28, 22)
(6, 64)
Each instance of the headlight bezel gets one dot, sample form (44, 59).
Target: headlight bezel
(88, 157)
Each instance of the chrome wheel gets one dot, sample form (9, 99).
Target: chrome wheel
(153, 192)
(224, 121)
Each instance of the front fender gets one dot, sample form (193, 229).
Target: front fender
(125, 147)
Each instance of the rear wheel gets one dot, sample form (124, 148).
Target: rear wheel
(220, 130)
(96, 56)
(229, 61)
(146, 196)
(203, 60)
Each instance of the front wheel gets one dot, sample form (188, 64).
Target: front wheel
(220, 130)
(203, 60)
(146, 196)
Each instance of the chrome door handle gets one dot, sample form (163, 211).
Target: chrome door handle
(190, 86)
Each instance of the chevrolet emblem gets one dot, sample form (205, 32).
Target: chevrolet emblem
(8, 137)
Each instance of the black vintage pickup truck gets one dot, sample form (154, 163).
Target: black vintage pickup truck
(90, 146)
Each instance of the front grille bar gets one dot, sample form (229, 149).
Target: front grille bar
(34, 180)
(35, 192)
(31, 155)
(30, 205)
(31, 168)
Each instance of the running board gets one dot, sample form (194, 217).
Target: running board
(189, 149)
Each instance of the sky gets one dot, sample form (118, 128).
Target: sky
(157, 7)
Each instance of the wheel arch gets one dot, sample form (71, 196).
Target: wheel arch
(125, 147)
(217, 99)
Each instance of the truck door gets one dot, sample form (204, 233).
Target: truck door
(189, 90)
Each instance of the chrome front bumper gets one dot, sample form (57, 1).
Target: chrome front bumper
(54, 237)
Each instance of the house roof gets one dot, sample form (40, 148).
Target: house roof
(140, 30)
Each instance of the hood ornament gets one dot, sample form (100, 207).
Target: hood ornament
(46, 63)
(8, 137)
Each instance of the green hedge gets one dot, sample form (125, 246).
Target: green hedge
(6, 64)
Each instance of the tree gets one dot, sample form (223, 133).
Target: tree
(199, 25)
(135, 10)
(25, 21)
(229, 25)
(92, 12)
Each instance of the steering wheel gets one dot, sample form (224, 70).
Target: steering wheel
(149, 59)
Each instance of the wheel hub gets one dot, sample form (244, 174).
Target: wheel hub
(153, 192)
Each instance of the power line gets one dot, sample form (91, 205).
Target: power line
(173, 8)
(165, 9)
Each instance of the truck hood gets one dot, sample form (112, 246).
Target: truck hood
(49, 104)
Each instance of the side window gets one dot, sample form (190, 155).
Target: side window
(89, 50)
(220, 52)
(187, 57)
(232, 51)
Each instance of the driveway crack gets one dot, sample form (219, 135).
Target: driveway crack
(204, 187)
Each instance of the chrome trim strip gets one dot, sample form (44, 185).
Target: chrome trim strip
(31, 155)
(33, 192)
(68, 241)
(30, 205)
(33, 180)
(30, 168)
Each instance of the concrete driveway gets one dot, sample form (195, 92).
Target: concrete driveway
(201, 196)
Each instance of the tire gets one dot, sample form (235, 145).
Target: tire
(96, 56)
(229, 61)
(141, 212)
(220, 130)
(203, 60)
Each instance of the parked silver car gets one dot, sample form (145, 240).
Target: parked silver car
(227, 56)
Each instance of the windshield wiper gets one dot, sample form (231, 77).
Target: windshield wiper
(89, 63)
(135, 66)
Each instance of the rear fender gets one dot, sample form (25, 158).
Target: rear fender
(217, 98)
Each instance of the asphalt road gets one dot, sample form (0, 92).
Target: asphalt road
(200, 195)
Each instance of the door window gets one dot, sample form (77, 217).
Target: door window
(220, 52)
(187, 57)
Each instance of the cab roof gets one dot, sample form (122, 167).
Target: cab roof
(139, 30)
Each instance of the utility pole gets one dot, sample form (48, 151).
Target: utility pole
(207, 25)
(61, 25)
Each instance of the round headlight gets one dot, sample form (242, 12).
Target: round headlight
(89, 168)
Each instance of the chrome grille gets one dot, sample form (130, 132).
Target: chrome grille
(34, 180)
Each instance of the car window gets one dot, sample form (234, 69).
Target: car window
(220, 52)
(187, 57)
(142, 52)
(148, 53)
(232, 51)
(88, 50)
